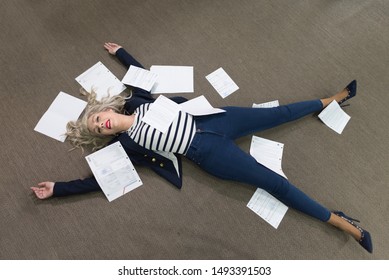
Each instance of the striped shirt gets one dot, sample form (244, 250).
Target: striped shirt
(177, 139)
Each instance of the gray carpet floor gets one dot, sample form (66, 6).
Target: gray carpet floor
(285, 50)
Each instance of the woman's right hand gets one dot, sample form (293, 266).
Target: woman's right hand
(44, 190)
(112, 47)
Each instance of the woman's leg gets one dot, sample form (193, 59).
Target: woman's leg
(345, 226)
(337, 97)
(220, 156)
(241, 121)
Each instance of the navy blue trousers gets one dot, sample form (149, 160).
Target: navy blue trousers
(214, 150)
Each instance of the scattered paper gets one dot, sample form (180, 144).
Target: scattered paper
(268, 153)
(161, 113)
(113, 171)
(334, 117)
(101, 80)
(199, 106)
(267, 207)
(64, 108)
(172, 79)
(139, 77)
(222, 83)
(270, 104)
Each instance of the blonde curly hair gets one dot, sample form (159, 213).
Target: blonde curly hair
(78, 133)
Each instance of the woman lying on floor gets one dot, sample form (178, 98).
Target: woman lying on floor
(206, 140)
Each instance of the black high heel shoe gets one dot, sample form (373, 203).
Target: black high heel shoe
(365, 240)
(352, 91)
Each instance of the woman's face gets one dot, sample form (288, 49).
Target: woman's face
(104, 123)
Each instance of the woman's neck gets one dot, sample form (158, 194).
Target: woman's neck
(126, 121)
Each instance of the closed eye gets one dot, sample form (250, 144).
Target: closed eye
(98, 126)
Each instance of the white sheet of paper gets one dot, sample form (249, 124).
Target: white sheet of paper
(113, 171)
(63, 109)
(139, 77)
(162, 113)
(172, 79)
(222, 83)
(267, 207)
(101, 80)
(269, 104)
(334, 117)
(268, 153)
(200, 106)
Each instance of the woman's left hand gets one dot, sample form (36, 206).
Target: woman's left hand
(112, 47)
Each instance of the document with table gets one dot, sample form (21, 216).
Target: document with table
(139, 77)
(222, 82)
(101, 80)
(268, 153)
(163, 111)
(113, 171)
(267, 207)
(334, 117)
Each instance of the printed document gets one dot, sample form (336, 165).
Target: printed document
(64, 108)
(101, 80)
(199, 106)
(267, 207)
(222, 83)
(139, 77)
(270, 104)
(334, 117)
(162, 113)
(268, 153)
(113, 171)
(172, 79)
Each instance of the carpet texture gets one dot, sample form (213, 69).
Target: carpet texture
(285, 50)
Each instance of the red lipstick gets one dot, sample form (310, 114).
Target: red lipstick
(108, 124)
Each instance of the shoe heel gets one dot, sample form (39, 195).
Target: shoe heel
(341, 214)
(352, 91)
(365, 240)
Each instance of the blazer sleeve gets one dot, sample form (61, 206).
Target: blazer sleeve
(139, 156)
(79, 186)
(126, 59)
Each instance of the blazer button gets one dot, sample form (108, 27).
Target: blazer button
(153, 160)
(161, 164)
(145, 155)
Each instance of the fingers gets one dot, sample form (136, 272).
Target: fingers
(39, 192)
(44, 190)
(111, 47)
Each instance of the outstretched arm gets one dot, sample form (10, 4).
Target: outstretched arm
(55, 189)
(125, 58)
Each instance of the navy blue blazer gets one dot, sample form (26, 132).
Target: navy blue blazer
(138, 155)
